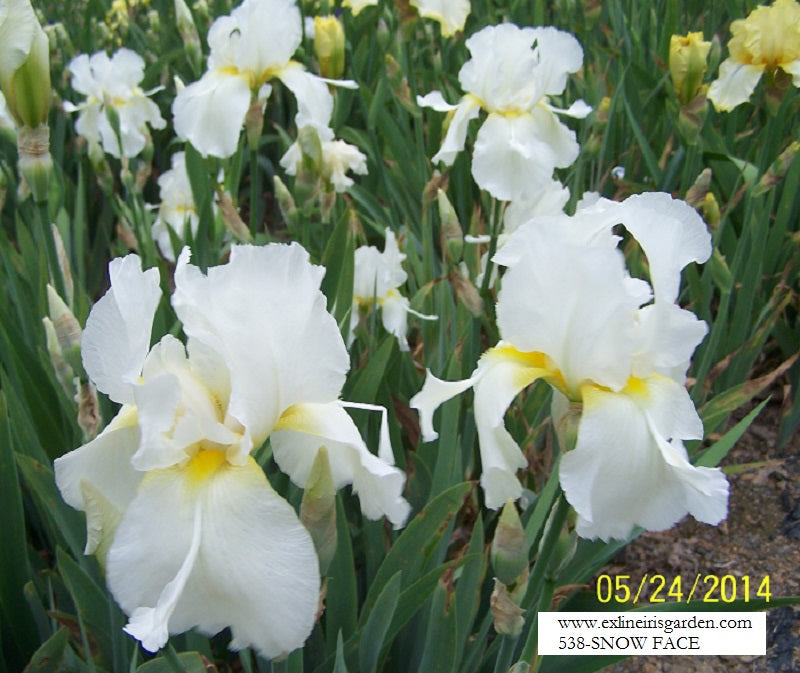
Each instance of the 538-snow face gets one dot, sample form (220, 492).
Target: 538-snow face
(702, 588)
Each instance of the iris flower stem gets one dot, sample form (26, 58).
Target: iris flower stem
(253, 191)
(506, 653)
(496, 218)
(43, 215)
(542, 583)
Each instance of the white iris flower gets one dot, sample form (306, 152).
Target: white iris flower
(189, 529)
(111, 87)
(252, 46)
(570, 313)
(177, 210)
(451, 14)
(337, 157)
(377, 278)
(511, 75)
(767, 40)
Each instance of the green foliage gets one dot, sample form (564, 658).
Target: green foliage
(415, 599)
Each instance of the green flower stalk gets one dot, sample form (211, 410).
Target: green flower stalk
(509, 552)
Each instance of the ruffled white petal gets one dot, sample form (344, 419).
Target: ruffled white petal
(501, 374)
(303, 428)
(451, 14)
(570, 301)
(394, 316)
(117, 335)
(434, 393)
(269, 32)
(18, 26)
(735, 84)
(467, 109)
(210, 113)
(265, 317)
(671, 234)
(314, 100)
(510, 157)
(105, 462)
(666, 338)
(629, 467)
(254, 567)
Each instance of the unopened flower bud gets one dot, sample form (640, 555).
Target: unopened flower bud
(688, 62)
(285, 200)
(64, 373)
(88, 410)
(63, 263)
(777, 170)
(318, 509)
(567, 421)
(452, 237)
(465, 290)
(329, 46)
(254, 124)
(399, 84)
(696, 194)
(710, 211)
(231, 218)
(720, 273)
(67, 328)
(154, 22)
(311, 148)
(35, 162)
(188, 33)
(509, 552)
(601, 114)
(508, 616)
(24, 64)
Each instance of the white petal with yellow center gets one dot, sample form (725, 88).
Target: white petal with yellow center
(303, 428)
(629, 467)
(116, 339)
(212, 545)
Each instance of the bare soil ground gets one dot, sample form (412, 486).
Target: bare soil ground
(760, 537)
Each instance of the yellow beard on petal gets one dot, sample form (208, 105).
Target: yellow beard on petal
(203, 465)
(635, 386)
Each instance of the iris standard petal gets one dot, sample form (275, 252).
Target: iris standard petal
(116, 339)
(671, 234)
(303, 428)
(209, 113)
(451, 14)
(265, 317)
(511, 157)
(213, 549)
(570, 301)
